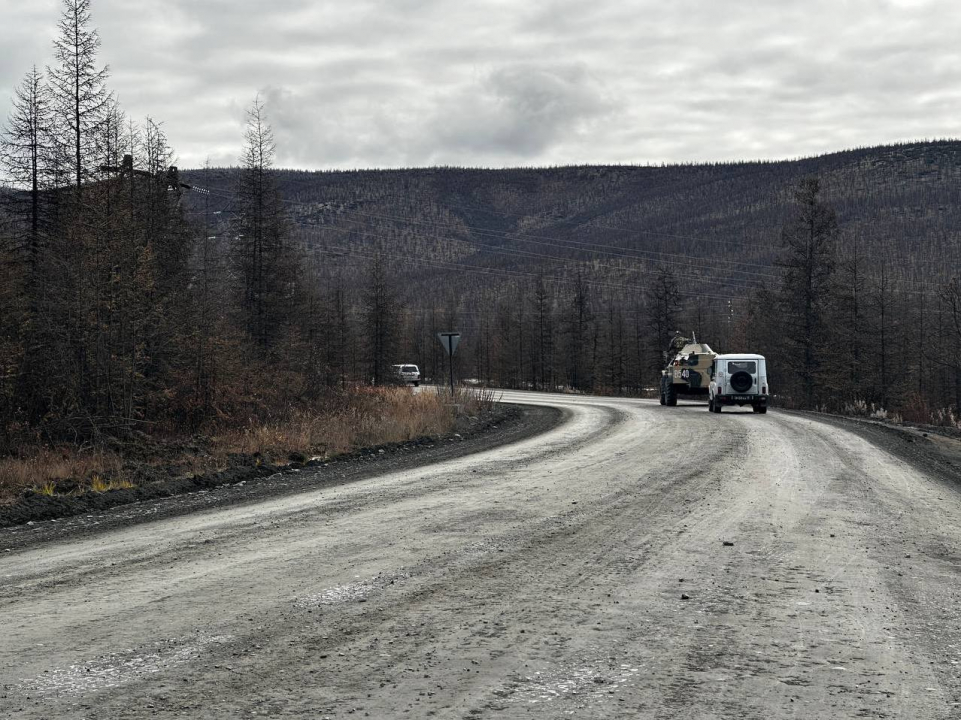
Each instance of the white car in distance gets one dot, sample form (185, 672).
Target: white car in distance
(408, 374)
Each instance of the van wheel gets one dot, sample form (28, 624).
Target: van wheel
(416, 383)
(760, 410)
(710, 405)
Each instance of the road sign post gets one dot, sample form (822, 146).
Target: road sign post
(450, 340)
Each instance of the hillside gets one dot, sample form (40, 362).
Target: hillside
(716, 225)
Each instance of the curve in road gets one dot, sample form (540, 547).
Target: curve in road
(636, 560)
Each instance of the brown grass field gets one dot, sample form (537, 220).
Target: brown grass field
(364, 417)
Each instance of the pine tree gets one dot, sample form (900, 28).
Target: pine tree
(949, 341)
(663, 303)
(25, 153)
(261, 234)
(542, 332)
(79, 89)
(580, 338)
(808, 284)
(852, 324)
(380, 318)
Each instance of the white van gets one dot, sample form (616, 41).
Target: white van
(739, 380)
(408, 374)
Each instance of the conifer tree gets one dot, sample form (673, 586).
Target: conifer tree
(261, 233)
(79, 88)
(25, 154)
(804, 300)
(663, 303)
(579, 322)
(380, 318)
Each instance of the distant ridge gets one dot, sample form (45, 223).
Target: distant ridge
(716, 224)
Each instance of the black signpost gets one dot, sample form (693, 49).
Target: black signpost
(449, 340)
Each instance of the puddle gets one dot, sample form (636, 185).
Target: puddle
(119, 668)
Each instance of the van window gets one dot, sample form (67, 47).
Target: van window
(748, 366)
(409, 368)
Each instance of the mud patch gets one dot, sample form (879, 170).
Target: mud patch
(120, 668)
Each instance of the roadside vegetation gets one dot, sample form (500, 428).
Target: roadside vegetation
(183, 321)
(140, 338)
(342, 423)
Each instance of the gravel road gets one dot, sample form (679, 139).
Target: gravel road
(633, 561)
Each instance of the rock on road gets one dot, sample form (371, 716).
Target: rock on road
(635, 561)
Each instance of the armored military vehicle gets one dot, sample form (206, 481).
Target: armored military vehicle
(688, 369)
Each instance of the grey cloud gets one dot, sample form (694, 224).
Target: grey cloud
(518, 111)
(494, 82)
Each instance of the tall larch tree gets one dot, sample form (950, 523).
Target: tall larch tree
(261, 232)
(25, 154)
(380, 314)
(808, 284)
(663, 298)
(79, 88)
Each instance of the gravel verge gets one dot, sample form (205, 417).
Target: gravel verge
(933, 450)
(37, 518)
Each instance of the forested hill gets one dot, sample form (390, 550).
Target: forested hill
(716, 225)
(127, 302)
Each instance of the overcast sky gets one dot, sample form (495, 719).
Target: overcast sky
(391, 83)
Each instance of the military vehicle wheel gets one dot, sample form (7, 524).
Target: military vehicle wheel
(662, 396)
(670, 395)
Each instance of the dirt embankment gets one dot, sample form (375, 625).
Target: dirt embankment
(250, 477)
(933, 450)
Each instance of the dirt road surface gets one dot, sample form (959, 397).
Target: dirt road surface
(635, 561)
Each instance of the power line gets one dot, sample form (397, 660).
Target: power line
(577, 245)
(737, 282)
(494, 233)
(741, 283)
(510, 251)
(447, 265)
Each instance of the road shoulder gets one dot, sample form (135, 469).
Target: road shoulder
(46, 520)
(934, 453)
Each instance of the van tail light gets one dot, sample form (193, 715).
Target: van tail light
(763, 390)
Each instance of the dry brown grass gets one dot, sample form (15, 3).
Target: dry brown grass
(100, 484)
(372, 416)
(46, 470)
(335, 424)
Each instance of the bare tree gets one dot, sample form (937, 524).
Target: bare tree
(261, 232)
(578, 328)
(380, 317)
(851, 320)
(951, 297)
(808, 265)
(663, 303)
(25, 153)
(78, 85)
